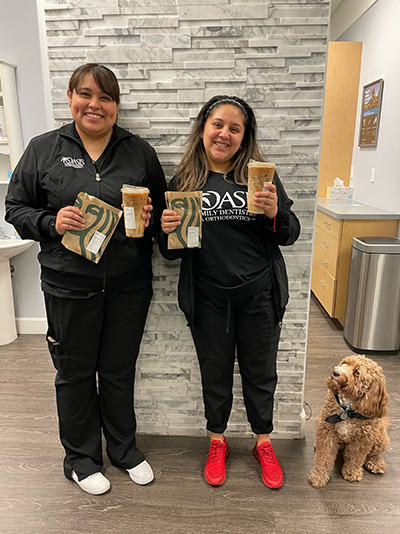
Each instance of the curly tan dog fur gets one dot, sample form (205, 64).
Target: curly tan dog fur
(359, 385)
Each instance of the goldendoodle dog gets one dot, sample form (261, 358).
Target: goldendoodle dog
(353, 418)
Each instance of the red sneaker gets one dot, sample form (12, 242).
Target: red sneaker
(214, 470)
(271, 470)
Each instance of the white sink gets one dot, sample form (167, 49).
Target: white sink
(11, 247)
(8, 249)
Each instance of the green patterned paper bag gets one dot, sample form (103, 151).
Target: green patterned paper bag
(188, 206)
(101, 221)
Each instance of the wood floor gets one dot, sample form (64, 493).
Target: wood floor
(35, 497)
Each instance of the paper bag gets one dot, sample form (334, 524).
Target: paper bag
(188, 205)
(101, 221)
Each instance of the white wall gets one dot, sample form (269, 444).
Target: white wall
(379, 30)
(20, 44)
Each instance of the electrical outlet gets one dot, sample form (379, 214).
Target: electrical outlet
(372, 175)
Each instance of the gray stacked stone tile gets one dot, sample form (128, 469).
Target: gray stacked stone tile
(170, 56)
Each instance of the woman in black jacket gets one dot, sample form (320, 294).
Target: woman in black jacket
(96, 312)
(234, 289)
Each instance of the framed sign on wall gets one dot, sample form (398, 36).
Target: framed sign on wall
(370, 113)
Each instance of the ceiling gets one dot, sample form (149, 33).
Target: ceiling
(344, 13)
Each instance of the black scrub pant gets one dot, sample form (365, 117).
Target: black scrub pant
(251, 326)
(94, 343)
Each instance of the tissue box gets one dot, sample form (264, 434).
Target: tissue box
(340, 193)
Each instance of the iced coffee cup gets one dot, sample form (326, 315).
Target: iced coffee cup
(134, 199)
(259, 173)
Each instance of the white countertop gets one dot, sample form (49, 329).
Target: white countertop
(352, 209)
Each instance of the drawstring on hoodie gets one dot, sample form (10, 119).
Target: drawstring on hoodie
(228, 316)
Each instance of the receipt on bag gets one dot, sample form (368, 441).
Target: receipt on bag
(96, 242)
(193, 236)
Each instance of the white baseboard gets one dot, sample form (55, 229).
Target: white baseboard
(31, 325)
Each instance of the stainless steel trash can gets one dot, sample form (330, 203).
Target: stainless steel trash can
(372, 323)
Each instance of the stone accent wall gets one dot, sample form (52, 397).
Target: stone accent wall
(171, 56)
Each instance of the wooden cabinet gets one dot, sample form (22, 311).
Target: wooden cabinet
(332, 257)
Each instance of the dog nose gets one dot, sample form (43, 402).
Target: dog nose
(335, 373)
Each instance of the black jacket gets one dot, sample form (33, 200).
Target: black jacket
(286, 232)
(54, 168)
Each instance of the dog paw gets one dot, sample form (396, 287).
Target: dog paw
(353, 474)
(376, 466)
(318, 480)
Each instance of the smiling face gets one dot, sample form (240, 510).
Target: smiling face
(93, 110)
(222, 136)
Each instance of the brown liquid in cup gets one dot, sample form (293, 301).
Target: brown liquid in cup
(134, 199)
(258, 173)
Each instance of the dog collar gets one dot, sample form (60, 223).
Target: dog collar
(347, 413)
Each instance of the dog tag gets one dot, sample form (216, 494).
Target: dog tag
(343, 416)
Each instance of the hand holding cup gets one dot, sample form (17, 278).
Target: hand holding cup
(267, 200)
(137, 209)
(259, 172)
(146, 215)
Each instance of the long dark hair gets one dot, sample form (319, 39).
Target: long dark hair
(193, 170)
(103, 76)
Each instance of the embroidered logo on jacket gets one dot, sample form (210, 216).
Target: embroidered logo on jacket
(71, 162)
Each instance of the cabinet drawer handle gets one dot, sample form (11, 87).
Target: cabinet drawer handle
(326, 243)
(324, 262)
(328, 225)
(322, 283)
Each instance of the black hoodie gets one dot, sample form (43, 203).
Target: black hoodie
(54, 168)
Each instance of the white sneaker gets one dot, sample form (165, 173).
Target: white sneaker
(141, 474)
(95, 484)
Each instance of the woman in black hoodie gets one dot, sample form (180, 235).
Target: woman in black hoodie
(96, 312)
(234, 289)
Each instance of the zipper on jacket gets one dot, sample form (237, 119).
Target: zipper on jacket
(97, 167)
(98, 164)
